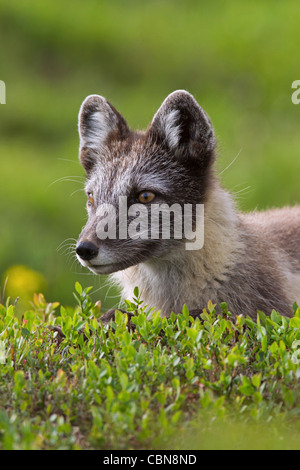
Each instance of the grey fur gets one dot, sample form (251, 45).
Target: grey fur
(251, 261)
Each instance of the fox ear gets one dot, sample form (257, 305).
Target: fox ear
(183, 126)
(98, 121)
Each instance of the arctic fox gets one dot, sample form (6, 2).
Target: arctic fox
(250, 261)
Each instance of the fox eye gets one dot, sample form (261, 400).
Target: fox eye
(146, 196)
(90, 199)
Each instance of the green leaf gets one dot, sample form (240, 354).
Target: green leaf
(124, 381)
(264, 343)
(78, 287)
(274, 348)
(256, 379)
(295, 307)
(224, 307)
(261, 317)
(176, 417)
(67, 323)
(211, 306)
(282, 346)
(257, 397)
(79, 325)
(192, 333)
(109, 393)
(276, 317)
(25, 332)
(246, 388)
(185, 311)
(294, 322)
(19, 380)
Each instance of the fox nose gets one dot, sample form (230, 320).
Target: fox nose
(87, 250)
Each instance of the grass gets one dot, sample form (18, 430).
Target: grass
(178, 383)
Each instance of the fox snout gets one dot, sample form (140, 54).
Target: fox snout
(86, 250)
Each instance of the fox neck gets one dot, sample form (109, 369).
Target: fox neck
(189, 276)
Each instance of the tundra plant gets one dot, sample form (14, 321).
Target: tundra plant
(217, 381)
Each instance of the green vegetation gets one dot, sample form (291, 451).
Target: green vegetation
(177, 383)
(239, 59)
(215, 383)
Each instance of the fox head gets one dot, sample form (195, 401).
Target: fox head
(169, 163)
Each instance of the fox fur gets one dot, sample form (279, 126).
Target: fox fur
(250, 261)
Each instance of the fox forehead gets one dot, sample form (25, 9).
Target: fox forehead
(122, 167)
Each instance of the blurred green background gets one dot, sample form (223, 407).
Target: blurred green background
(238, 59)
